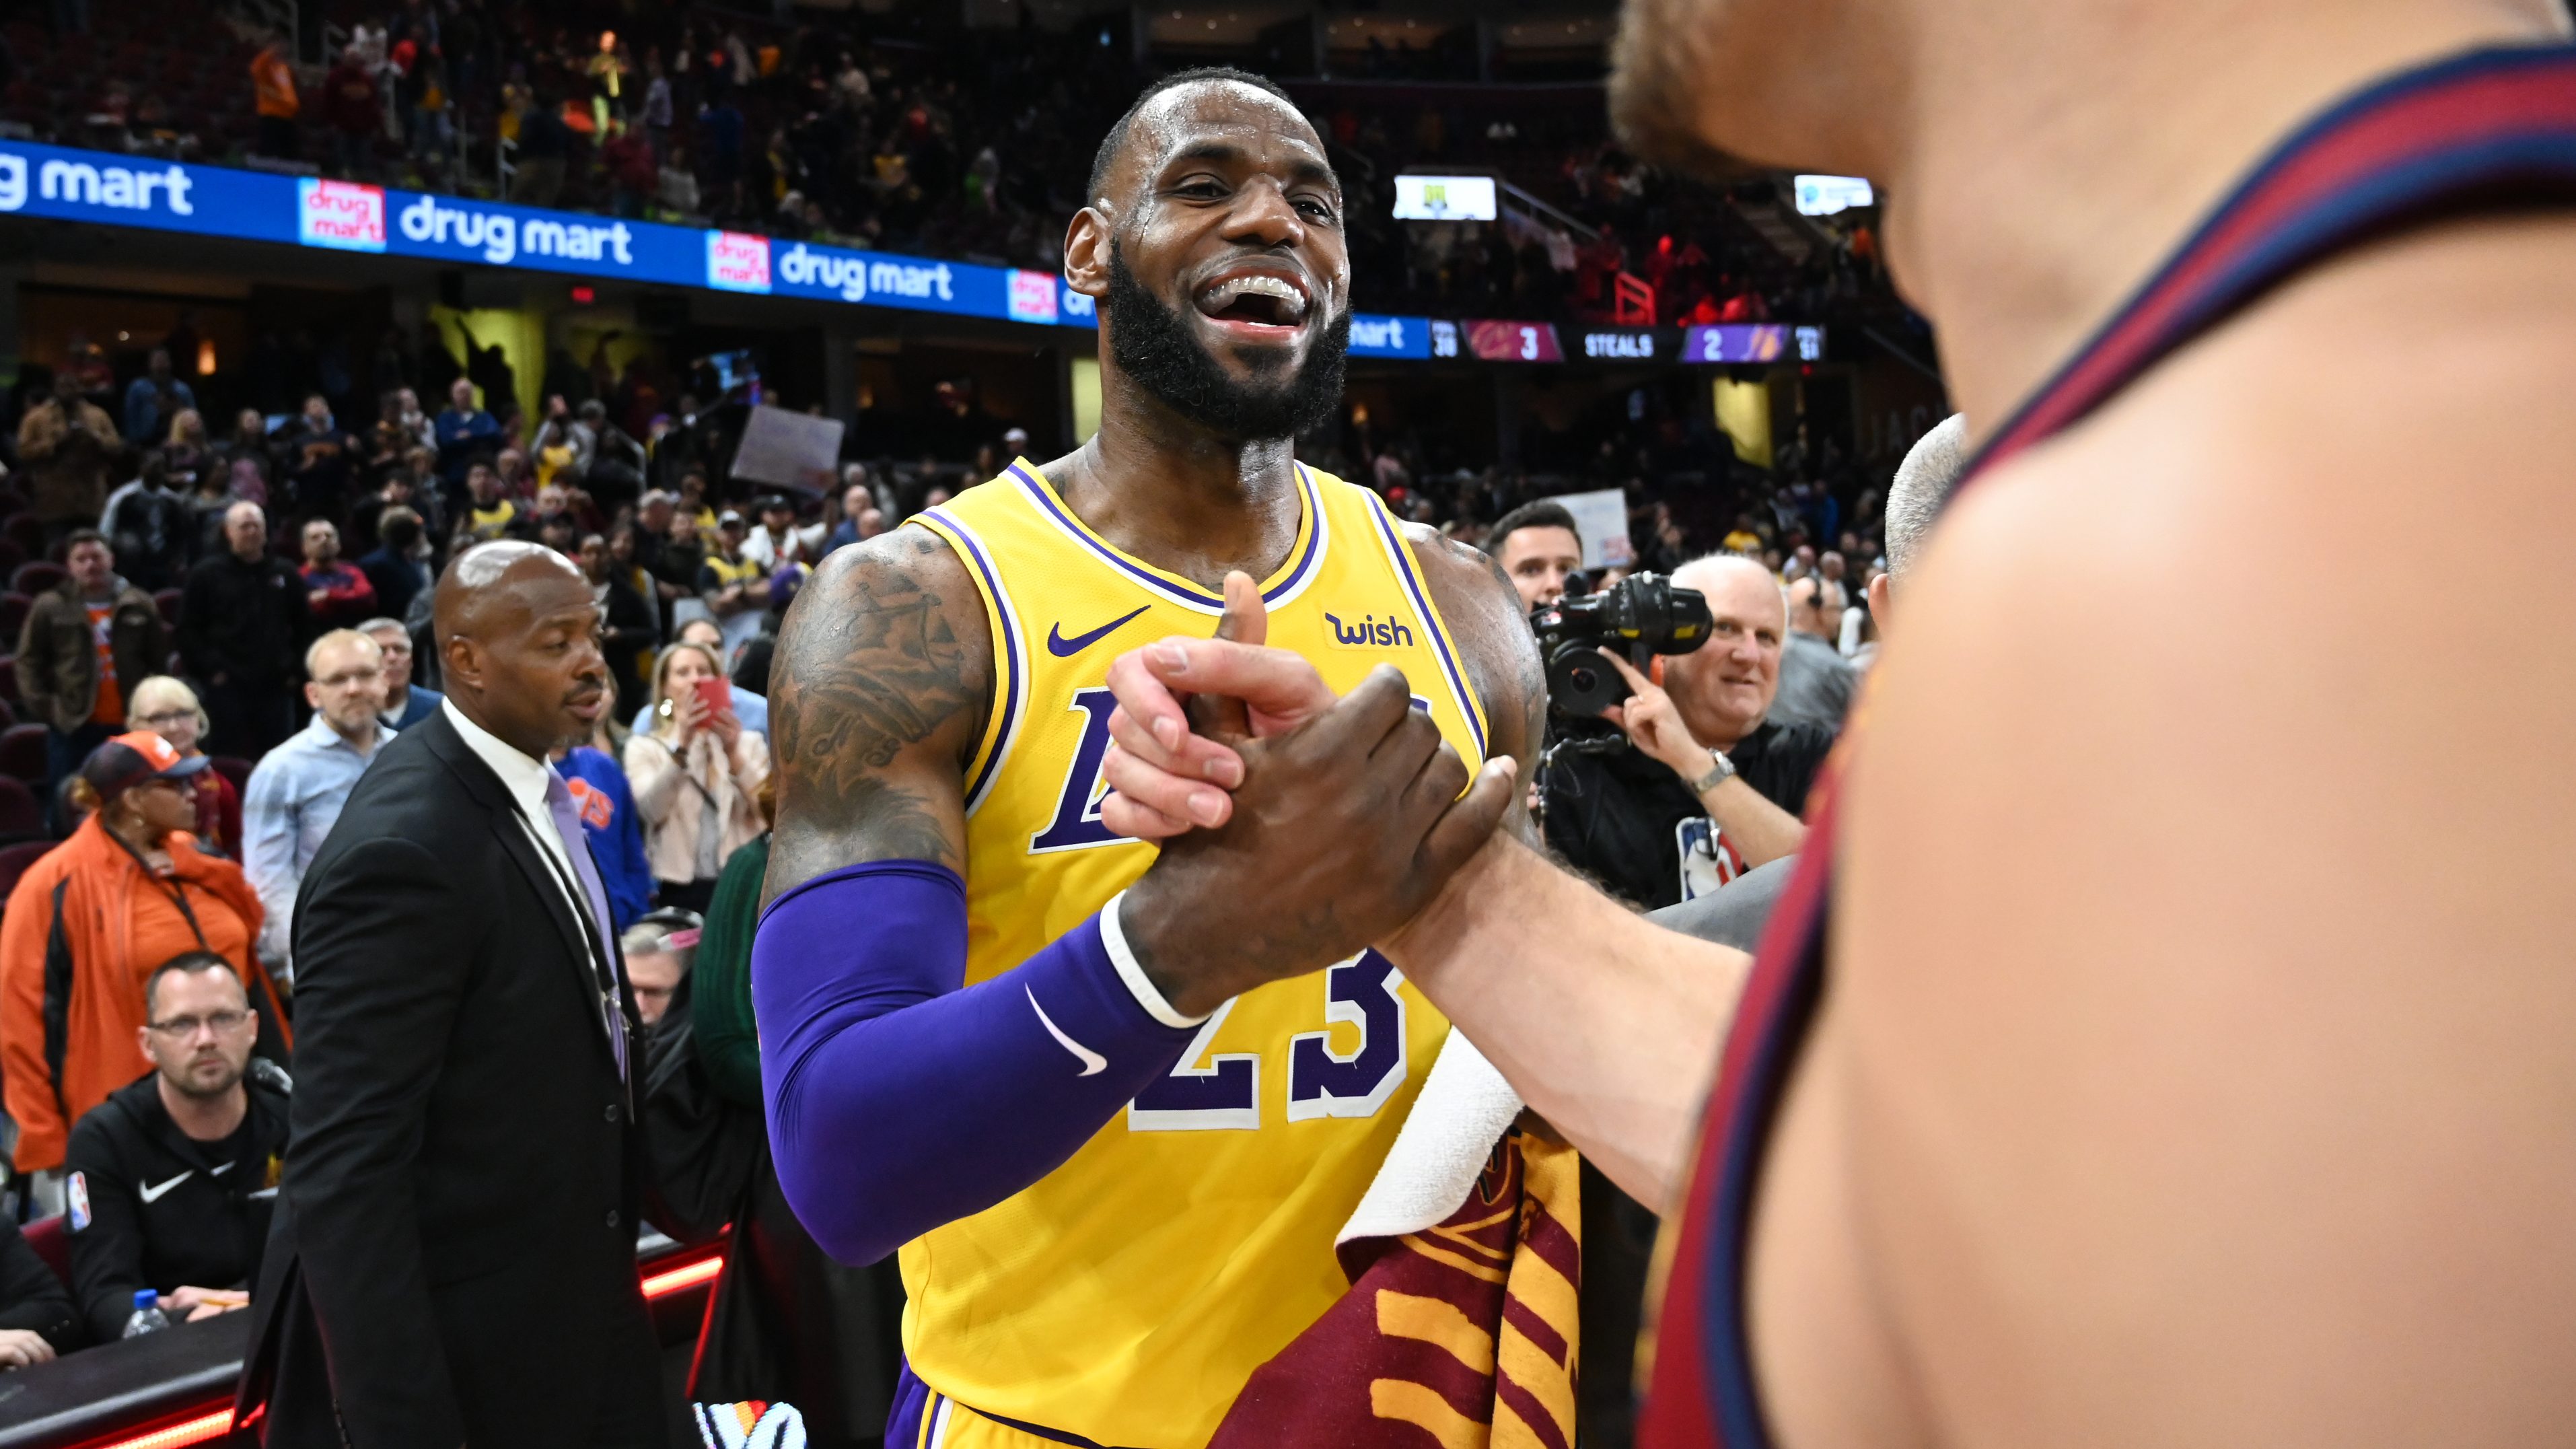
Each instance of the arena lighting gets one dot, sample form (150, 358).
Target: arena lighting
(203, 1429)
(689, 1275)
(216, 1423)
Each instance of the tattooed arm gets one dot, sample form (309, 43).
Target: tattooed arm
(859, 965)
(1483, 612)
(883, 678)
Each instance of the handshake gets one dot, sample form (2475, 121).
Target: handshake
(1298, 827)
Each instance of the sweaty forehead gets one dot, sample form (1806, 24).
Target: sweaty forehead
(1219, 113)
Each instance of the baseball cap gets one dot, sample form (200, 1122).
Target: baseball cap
(134, 757)
(777, 502)
(730, 515)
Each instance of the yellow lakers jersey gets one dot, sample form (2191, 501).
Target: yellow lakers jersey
(1126, 1296)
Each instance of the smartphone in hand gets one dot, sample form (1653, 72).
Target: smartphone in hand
(716, 696)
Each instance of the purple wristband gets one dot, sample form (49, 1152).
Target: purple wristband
(899, 1101)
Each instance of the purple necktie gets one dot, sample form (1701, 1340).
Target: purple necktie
(576, 842)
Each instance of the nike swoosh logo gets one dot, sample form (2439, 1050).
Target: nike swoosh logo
(152, 1191)
(1063, 648)
(1092, 1061)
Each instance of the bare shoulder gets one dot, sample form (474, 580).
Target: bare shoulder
(2205, 903)
(881, 683)
(1483, 612)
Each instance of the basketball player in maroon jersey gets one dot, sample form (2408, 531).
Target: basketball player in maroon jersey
(2185, 1055)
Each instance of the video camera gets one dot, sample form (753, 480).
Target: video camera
(1640, 616)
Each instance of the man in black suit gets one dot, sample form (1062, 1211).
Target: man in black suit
(453, 1260)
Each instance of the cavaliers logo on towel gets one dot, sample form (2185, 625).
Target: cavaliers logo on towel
(1461, 1335)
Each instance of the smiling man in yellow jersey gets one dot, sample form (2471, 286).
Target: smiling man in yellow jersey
(1113, 1134)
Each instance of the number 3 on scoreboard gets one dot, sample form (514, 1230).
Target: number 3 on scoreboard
(1215, 1094)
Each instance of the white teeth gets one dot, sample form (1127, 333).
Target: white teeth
(1223, 294)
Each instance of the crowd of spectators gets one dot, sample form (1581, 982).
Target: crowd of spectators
(969, 143)
(203, 669)
(218, 635)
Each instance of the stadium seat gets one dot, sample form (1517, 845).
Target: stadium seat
(235, 769)
(13, 614)
(11, 556)
(22, 815)
(27, 531)
(22, 752)
(167, 601)
(45, 1235)
(35, 577)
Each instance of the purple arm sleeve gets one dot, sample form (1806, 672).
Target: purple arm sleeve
(899, 1101)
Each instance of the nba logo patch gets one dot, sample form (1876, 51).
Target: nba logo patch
(77, 1195)
(751, 1424)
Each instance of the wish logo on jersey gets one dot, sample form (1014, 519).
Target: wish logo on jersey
(1368, 631)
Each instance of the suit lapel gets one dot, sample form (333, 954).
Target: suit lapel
(503, 817)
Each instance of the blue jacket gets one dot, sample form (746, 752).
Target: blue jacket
(616, 832)
(421, 703)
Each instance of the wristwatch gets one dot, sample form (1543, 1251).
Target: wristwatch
(1720, 770)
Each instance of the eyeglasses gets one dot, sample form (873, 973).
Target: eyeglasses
(183, 1027)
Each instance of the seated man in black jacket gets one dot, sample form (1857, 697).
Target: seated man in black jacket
(36, 1317)
(172, 1178)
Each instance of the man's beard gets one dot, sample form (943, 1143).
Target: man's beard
(1152, 344)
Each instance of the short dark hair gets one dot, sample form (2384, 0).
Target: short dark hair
(1107, 155)
(79, 536)
(1545, 513)
(191, 962)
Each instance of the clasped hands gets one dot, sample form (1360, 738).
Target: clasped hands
(1298, 827)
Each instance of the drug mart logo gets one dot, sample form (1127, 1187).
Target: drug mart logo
(737, 261)
(1378, 334)
(339, 214)
(1032, 297)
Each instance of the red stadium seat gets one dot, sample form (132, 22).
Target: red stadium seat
(22, 752)
(46, 1235)
(167, 601)
(26, 531)
(13, 614)
(22, 816)
(235, 769)
(35, 577)
(11, 556)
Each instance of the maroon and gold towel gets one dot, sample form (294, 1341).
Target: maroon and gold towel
(1458, 1336)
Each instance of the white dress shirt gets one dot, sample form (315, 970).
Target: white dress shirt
(524, 777)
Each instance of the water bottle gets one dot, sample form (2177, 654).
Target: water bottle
(147, 1314)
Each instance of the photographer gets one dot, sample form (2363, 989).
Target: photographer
(1706, 786)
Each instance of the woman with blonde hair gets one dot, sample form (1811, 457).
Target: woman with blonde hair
(170, 709)
(695, 773)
